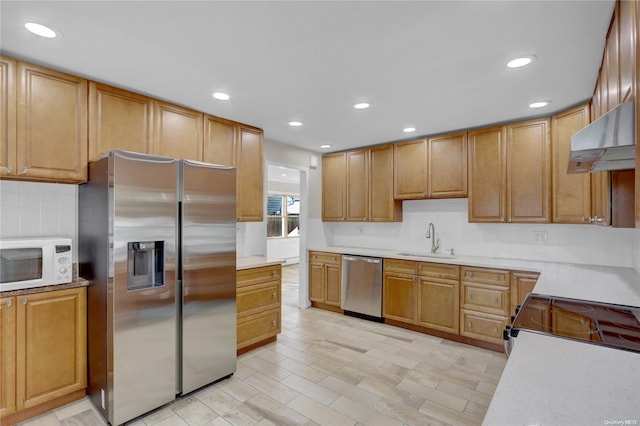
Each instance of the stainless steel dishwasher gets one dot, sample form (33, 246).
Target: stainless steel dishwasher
(362, 287)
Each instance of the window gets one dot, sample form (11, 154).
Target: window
(283, 216)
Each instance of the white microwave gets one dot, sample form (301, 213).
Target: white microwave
(34, 262)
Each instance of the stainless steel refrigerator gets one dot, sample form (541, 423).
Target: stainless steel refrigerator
(157, 241)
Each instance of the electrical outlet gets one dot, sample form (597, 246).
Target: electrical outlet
(540, 236)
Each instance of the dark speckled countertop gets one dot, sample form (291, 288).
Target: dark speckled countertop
(77, 282)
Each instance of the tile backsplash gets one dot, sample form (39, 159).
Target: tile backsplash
(32, 209)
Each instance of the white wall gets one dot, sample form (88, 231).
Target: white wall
(636, 250)
(30, 209)
(586, 244)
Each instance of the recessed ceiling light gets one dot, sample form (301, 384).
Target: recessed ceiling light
(221, 96)
(325, 146)
(520, 62)
(409, 129)
(539, 104)
(362, 105)
(284, 175)
(295, 123)
(40, 30)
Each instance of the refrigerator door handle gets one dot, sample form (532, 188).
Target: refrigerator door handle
(129, 155)
(202, 164)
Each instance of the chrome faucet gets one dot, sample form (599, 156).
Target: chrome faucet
(431, 233)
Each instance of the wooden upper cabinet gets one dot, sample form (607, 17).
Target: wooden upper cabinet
(612, 59)
(487, 175)
(357, 185)
(178, 132)
(334, 187)
(7, 117)
(52, 125)
(382, 206)
(529, 172)
(571, 192)
(249, 174)
(447, 166)
(118, 119)
(219, 141)
(410, 170)
(627, 43)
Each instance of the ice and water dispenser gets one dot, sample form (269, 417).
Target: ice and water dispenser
(145, 264)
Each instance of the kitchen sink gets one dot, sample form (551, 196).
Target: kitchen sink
(428, 255)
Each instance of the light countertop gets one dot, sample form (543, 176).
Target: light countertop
(551, 380)
(255, 262)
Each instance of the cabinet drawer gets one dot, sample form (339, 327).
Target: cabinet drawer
(258, 327)
(323, 257)
(257, 298)
(481, 326)
(486, 276)
(400, 266)
(439, 270)
(485, 298)
(262, 274)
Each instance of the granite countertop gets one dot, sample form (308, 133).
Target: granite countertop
(255, 262)
(77, 282)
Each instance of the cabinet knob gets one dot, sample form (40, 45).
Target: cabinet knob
(584, 219)
(9, 169)
(273, 294)
(470, 296)
(495, 331)
(25, 170)
(470, 274)
(470, 324)
(273, 323)
(509, 220)
(24, 300)
(502, 220)
(497, 301)
(497, 277)
(9, 303)
(274, 273)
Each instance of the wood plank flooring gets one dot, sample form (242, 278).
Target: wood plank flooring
(331, 369)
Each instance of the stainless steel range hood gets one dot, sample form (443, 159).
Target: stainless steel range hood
(609, 143)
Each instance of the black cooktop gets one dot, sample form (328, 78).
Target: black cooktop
(604, 324)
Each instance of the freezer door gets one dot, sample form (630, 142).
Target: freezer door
(143, 203)
(208, 274)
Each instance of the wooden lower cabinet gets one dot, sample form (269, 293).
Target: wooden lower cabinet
(258, 301)
(325, 279)
(482, 326)
(400, 297)
(522, 284)
(439, 297)
(48, 350)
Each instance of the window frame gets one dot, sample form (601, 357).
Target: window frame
(284, 216)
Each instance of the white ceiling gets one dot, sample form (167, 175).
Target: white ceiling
(434, 65)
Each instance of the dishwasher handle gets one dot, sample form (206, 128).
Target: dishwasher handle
(362, 259)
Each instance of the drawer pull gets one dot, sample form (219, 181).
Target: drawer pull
(274, 273)
(495, 331)
(497, 277)
(273, 294)
(470, 296)
(273, 323)
(470, 274)
(497, 301)
(470, 324)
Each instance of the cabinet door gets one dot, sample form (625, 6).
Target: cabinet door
(523, 283)
(357, 185)
(571, 192)
(601, 197)
(487, 175)
(316, 282)
(447, 166)
(529, 172)
(219, 141)
(51, 345)
(382, 206)
(7, 356)
(400, 298)
(333, 292)
(439, 304)
(627, 46)
(613, 61)
(178, 132)
(249, 174)
(118, 120)
(333, 187)
(7, 117)
(410, 170)
(52, 125)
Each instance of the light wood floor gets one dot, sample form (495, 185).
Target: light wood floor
(330, 369)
